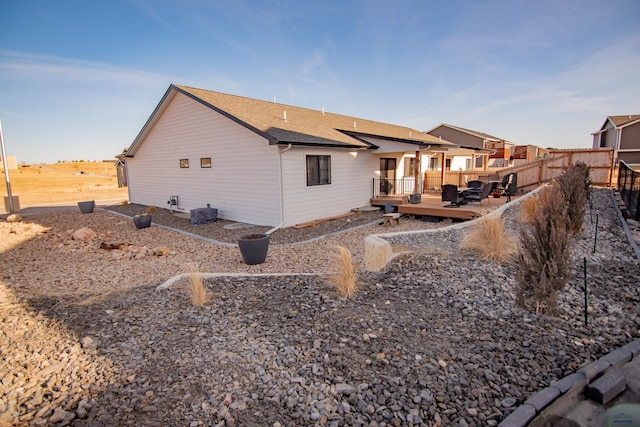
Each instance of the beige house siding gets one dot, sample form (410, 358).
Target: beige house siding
(351, 177)
(243, 182)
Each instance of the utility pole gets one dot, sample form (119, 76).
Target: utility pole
(6, 171)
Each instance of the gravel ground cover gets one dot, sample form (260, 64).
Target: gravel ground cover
(434, 339)
(219, 230)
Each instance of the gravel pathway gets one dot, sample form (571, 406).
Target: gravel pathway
(434, 339)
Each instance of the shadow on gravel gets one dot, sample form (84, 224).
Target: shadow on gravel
(421, 342)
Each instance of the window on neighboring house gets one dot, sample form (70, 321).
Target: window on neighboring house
(409, 166)
(318, 170)
(434, 163)
(479, 162)
(205, 162)
(468, 164)
(184, 163)
(447, 164)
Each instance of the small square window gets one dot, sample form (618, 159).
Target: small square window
(184, 163)
(205, 162)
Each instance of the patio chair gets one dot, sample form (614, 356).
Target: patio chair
(474, 186)
(510, 185)
(450, 194)
(478, 197)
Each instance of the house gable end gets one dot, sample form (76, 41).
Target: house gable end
(153, 118)
(270, 138)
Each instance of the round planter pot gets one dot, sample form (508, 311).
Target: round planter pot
(86, 207)
(142, 221)
(254, 247)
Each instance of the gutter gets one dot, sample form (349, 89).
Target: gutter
(281, 190)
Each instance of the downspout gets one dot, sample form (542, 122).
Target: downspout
(281, 190)
(617, 149)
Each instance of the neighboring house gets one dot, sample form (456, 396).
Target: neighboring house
(622, 133)
(488, 150)
(265, 163)
(523, 154)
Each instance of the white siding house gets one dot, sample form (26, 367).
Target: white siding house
(259, 162)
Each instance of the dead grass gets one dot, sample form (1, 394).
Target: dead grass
(199, 297)
(528, 209)
(345, 281)
(491, 240)
(151, 209)
(52, 183)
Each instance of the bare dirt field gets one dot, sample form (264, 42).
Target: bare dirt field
(63, 182)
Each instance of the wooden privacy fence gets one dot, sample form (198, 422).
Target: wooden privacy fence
(534, 173)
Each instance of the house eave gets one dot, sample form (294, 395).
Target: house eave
(421, 143)
(324, 145)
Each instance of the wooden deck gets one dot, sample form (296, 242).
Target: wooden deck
(431, 205)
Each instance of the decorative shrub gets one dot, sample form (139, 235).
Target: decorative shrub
(528, 209)
(345, 280)
(199, 296)
(574, 184)
(543, 259)
(491, 239)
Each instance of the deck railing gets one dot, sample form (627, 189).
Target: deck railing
(393, 187)
(629, 188)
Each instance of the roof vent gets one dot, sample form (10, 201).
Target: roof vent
(323, 111)
(285, 116)
(274, 100)
(354, 125)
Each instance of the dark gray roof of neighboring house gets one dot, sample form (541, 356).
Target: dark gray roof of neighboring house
(286, 124)
(470, 132)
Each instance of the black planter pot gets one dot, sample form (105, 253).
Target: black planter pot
(86, 207)
(254, 247)
(142, 221)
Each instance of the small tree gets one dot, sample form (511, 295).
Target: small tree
(574, 184)
(543, 259)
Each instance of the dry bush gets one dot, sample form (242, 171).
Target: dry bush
(528, 209)
(543, 259)
(345, 281)
(574, 184)
(491, 239)
(151, 209)
(199, 296)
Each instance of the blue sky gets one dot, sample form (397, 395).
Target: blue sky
(78, 79)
